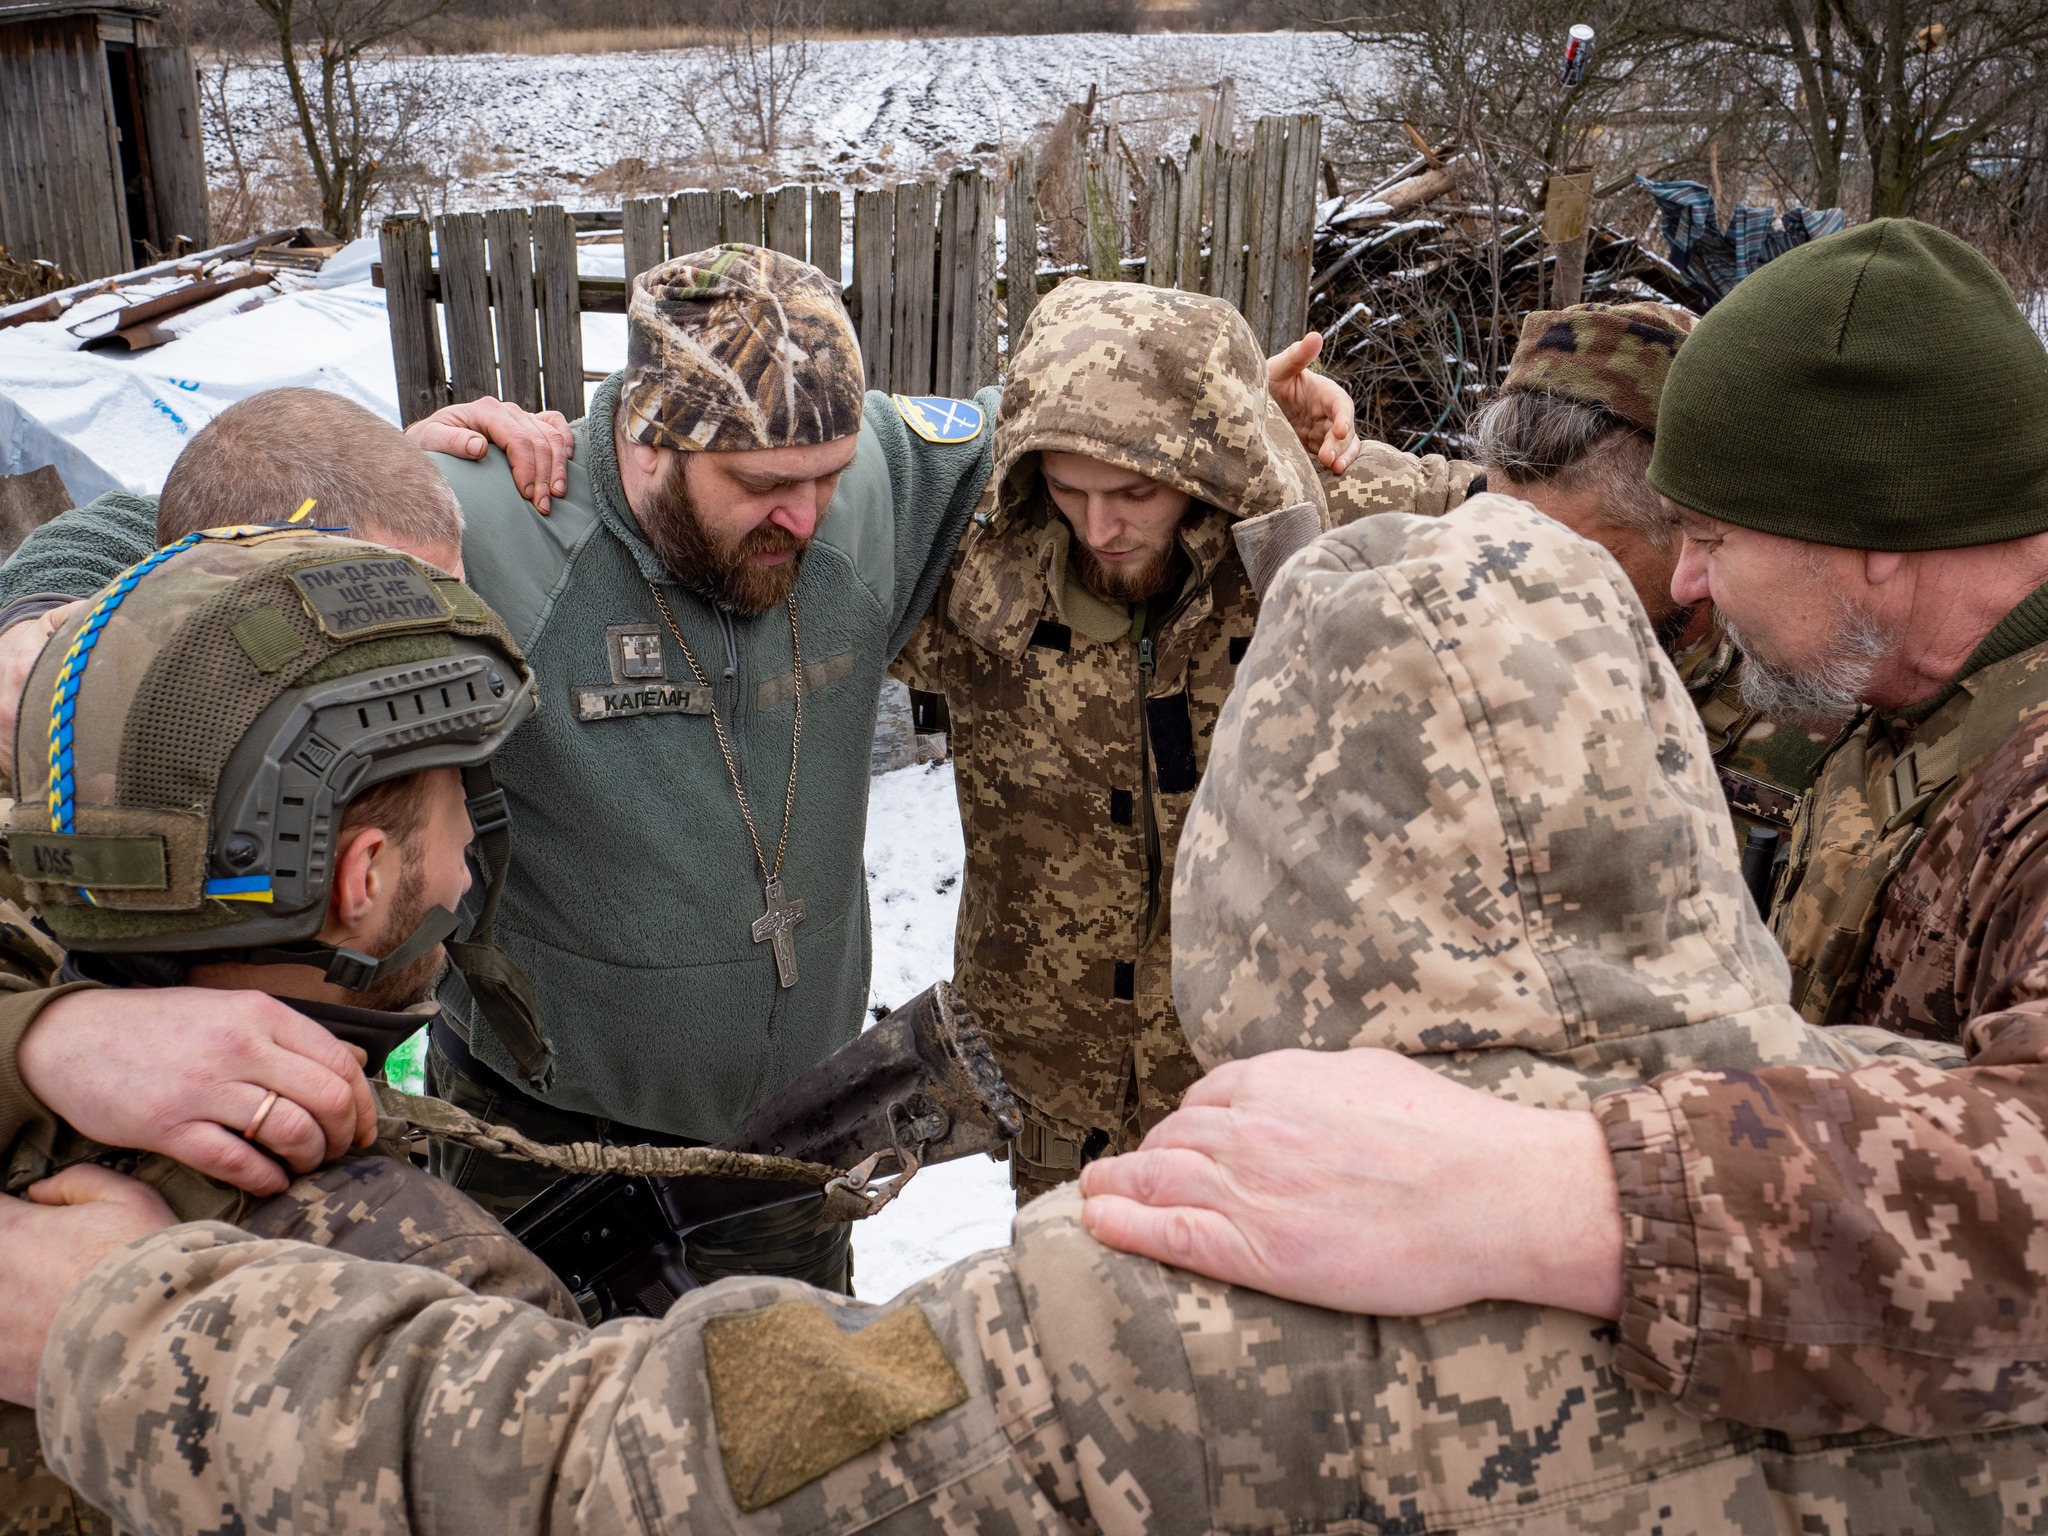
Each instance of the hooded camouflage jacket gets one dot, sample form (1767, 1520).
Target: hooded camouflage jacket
(1077, 753)
(1054, 1386)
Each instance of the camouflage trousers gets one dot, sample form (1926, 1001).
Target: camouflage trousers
(793, 1240)
(1053, 1386)
(369, 1204)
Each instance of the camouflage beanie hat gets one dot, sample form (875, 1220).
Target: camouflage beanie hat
(1878, 389)
(1614, 356)
(737, 348)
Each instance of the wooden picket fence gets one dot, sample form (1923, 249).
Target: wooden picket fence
(932, 306)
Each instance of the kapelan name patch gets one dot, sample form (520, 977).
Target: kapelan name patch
(352, 598)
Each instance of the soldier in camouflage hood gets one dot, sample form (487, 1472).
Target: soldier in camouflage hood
(1798, 1247)
(1135, 430)
(1410, 671)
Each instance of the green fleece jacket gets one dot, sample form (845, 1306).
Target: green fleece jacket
(633, 886)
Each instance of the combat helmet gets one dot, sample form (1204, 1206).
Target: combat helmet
(188, 741)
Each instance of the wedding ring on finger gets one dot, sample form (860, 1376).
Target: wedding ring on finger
(262, 1113)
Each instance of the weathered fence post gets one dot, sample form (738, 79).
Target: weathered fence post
(561, 309)
(1162, 222)
(874, 261)
(466, 305)
(1020, 245)
(828, 235)
(640, 228)
(788, 210)
(910, 341)
(509, 232)
(693, 222)
(415, 333)
(1295, 231)
(966, 358)
(741, 216)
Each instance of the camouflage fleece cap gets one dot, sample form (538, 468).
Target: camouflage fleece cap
(1459, 806)
(736, 348)
(1611, 355)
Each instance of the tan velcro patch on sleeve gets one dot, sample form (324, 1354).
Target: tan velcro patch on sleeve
(795, 1397)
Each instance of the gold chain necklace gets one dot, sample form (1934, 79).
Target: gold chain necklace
(777, 925)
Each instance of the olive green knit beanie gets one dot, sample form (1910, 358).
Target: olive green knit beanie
(1878, 389)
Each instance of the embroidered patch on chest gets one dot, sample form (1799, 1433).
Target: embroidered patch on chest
(937, 419)
(620, 703)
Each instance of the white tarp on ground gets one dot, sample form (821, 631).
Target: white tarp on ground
(114, 420)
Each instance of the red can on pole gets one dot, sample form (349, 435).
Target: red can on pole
(1578, 46)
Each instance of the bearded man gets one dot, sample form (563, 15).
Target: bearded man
(687, 891)
(1085, 640)
(1799, 1248)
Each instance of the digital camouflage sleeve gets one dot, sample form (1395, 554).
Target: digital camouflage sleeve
(1580, 928)
(1810, 1249)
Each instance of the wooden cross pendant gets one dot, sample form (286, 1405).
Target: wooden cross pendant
(777, 926)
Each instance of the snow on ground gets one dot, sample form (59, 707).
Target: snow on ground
(914, 857)
(520, 129)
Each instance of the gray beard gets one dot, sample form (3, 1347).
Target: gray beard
(1830, 689)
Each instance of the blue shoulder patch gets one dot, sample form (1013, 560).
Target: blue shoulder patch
(939, 420)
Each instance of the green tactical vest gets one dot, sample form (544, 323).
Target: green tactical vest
(1879, 790)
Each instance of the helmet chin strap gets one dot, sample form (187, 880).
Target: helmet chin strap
(351, 968)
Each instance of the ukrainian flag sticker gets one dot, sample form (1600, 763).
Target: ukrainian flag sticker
(939, 420)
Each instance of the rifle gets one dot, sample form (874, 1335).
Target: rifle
(921, 1086)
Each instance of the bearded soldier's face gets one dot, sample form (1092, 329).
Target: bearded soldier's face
(733, 527)
(1125, 526)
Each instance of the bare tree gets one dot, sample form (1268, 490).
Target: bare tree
(1910, 88)
(354, 109)
(763, 54)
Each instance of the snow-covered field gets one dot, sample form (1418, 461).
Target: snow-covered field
(512, 128)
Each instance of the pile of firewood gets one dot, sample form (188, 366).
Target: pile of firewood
(1420, 286)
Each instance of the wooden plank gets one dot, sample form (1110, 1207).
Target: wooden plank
(1197, 187)
(914, 284)
(1020, 246)
(1233, 212)
(1162, 223)
(415, 332)
(740, 218)
(1262, 230)
(509, 232)
(561, 315)
(640, 226)
(692, 223)
(828, 234)
(788, 220)
(466, 305)
(874, 259)
(965, 351)
(177, 159)
(987, 303)
(1104, 253)
(1294, 257)
(953, 341)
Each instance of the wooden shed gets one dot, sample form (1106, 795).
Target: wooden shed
(101, 165)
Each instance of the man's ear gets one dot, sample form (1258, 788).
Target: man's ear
(1880, 566)
(358, 883)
